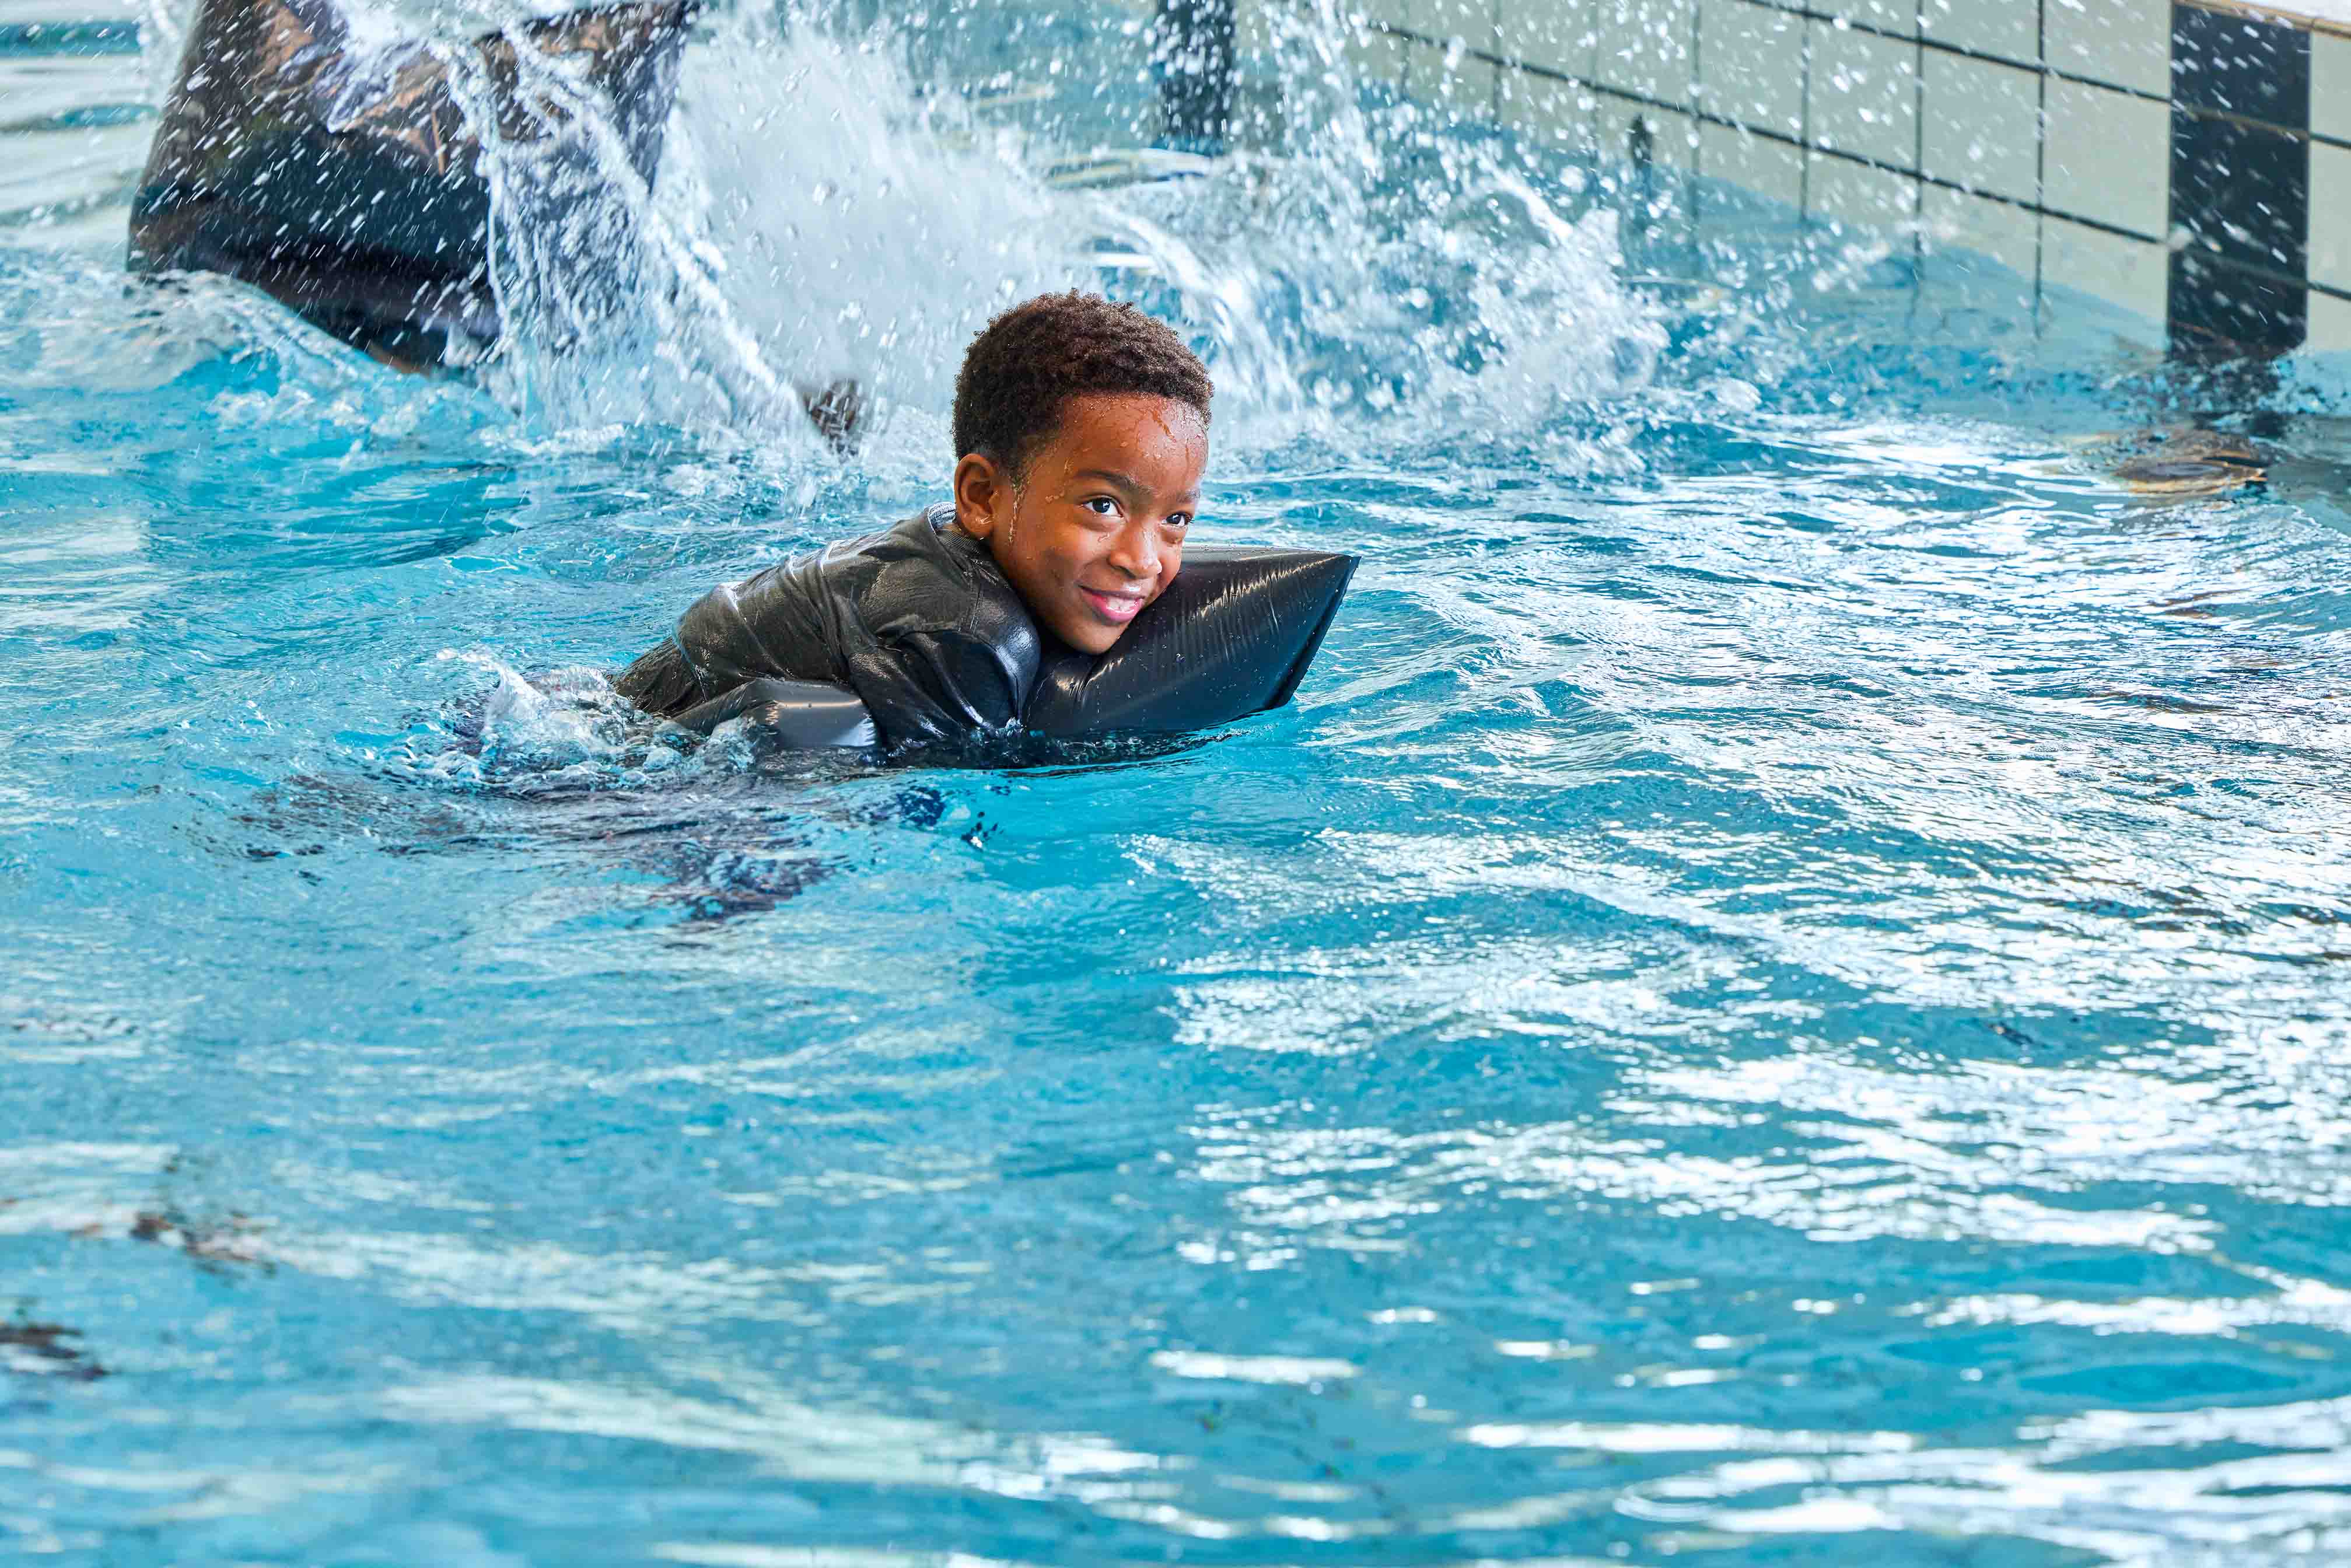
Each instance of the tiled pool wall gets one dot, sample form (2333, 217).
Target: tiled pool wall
(2190, 162)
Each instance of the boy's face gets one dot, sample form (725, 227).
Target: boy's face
(1092, 530)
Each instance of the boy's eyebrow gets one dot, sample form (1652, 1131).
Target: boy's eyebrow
(1125, 481)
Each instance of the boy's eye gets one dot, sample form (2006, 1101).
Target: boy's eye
(1179, 521)
(1100, 505)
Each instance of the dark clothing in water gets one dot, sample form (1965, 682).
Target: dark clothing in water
(918, 622)
(913, 639)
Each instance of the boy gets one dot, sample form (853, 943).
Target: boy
(1081, 434)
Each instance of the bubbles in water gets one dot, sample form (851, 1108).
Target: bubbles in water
(567, 732)
(564, 731)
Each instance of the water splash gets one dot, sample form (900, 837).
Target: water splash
(847, 196)
(827, 214)
(845, 199)
(564, 732)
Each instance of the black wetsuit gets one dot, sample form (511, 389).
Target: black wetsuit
(918, 622)
(914, 639)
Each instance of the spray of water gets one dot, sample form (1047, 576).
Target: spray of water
(848, 195)
(830, 213)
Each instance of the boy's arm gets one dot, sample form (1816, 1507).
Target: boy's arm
(764, 625)
(660, 682)
(947, 683)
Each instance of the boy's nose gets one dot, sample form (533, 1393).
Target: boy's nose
(1136, 553)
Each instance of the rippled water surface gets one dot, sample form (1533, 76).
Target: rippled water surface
(1778, 997)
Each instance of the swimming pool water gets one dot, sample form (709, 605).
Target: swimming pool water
(1778, 997)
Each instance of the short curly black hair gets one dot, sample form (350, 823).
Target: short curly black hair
(1031, 360)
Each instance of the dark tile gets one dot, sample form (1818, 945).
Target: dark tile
(2260, 70)
(2217, 311)
(2240, 183)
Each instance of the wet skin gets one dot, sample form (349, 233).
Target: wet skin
(1090, 528)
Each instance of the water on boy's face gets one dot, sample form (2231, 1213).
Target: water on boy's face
(1093, 529)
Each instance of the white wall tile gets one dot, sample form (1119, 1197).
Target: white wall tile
(2128, 273)
(1471, 21)
(1751, 61)
(1863, 94)
(2108, 157)
(2330, 326)
(2010, 29)
(1755, 164)
(1546, 33)
(1378, 57)
(1434, 70)
(1957, 223)
(1673, 137)
(1676, 137)
(2330, 216)
(2125, 42)
(1644, 47)
(1897, 16)
(1457, 81)
(2330, 85)
(1844, 192)
(1259, 27)
(1982, 125)
(1546, 109)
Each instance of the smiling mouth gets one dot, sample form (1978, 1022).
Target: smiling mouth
(1118, 609)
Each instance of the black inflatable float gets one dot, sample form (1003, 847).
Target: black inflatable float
(1231, 636)
(349, 185)
(911, 639)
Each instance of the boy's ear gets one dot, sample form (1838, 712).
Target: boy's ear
(982, 491)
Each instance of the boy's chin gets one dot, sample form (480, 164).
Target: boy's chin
(1094, 639)
(1088, 635)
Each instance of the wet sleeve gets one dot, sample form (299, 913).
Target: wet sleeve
(660, 682)
(768, 625)
(969, 683)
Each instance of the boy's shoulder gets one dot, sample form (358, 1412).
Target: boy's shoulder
(923, 574)
(930, 633)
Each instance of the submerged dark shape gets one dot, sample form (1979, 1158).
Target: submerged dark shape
(2188, 461)
(347, 182)
(917, 632)
(225, 1242)
(41, 1349)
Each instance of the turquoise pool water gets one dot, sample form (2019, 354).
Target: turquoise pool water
(1778, 997)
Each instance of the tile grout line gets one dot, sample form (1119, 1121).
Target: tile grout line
(1697, 100)
(2176, 273)
(1494, 31)
(2041, 164)
(1710, 117)
(1918, 144)
(2039, 68)
(2036, 207)
(1700, 112)
(1513, 62)
(2043, 68)
(1804, 128)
